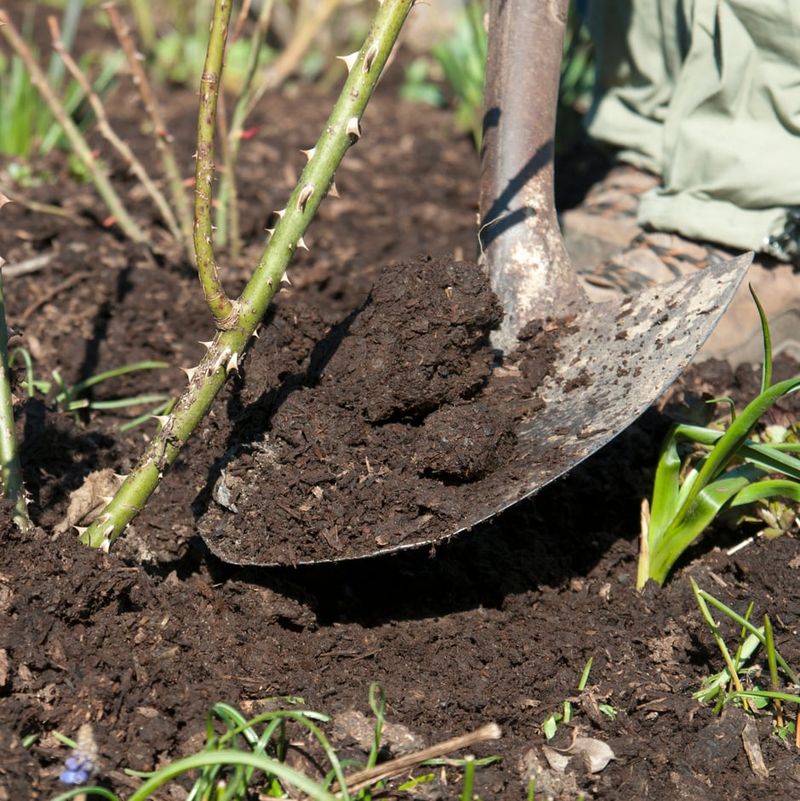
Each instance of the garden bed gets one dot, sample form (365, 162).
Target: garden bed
(496, 625)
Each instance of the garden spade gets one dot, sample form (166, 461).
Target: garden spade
(617, 357)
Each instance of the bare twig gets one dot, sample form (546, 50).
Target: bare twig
(76, 139)
(32, 265)
(277, 72)
(51, 293)
(161, 134)
(241, 19)
(104, 127)
(388, 770)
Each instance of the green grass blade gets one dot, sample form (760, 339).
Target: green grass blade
(729, 443)
(100, 792)
(232, 759)
(723, 648)
(769, 488)
(770, 457)
(116, 372)
(766, 337)
(584, 679)
(123, 403)
(377, 702)
(779, 696)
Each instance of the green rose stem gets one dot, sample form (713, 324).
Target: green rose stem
(10, 470)
(222, 307)
(223, 354)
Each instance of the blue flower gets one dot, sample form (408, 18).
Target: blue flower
(82, 761)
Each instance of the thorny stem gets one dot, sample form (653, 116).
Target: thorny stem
(223, 309)
(76, 139)
(228, 203)
(104, 126)
(10, 469)
(224, 353)
(163, 139)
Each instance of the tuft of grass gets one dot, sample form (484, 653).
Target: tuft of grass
(552, 722)
(742, 682)
(27, 125)
(73, 398)
(733, 471)
(246, 758)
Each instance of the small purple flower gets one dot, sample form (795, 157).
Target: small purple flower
(82, 761)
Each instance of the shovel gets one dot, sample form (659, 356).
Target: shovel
(622, 354)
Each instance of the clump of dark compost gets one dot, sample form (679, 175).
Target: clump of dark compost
(372, 434)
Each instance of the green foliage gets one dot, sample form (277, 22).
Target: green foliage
(554, 720)
(246, 758)
(178, 58)
(72, 398)
(27, 125)
(740, 682)
(463, 59)
(733, 470)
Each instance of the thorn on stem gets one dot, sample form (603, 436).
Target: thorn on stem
(206, 345)
(349, 60)
(301, 243)
(163, 419)
(333, 191)
(233, 364)
(309, 154)
(190, 372)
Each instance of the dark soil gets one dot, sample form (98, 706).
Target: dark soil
(495, 625)
(378, 435)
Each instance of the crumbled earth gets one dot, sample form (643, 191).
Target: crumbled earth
(495, 625)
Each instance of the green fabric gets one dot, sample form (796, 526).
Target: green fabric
(705, 93)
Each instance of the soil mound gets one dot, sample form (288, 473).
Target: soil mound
(373, 440)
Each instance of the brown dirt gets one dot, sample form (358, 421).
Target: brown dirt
(495, 625)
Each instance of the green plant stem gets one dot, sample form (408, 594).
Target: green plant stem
(76, 139)
(10, 469)
(223, 355)
(700, 597)
(746, 624)
(222, 307)
(228, 223)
